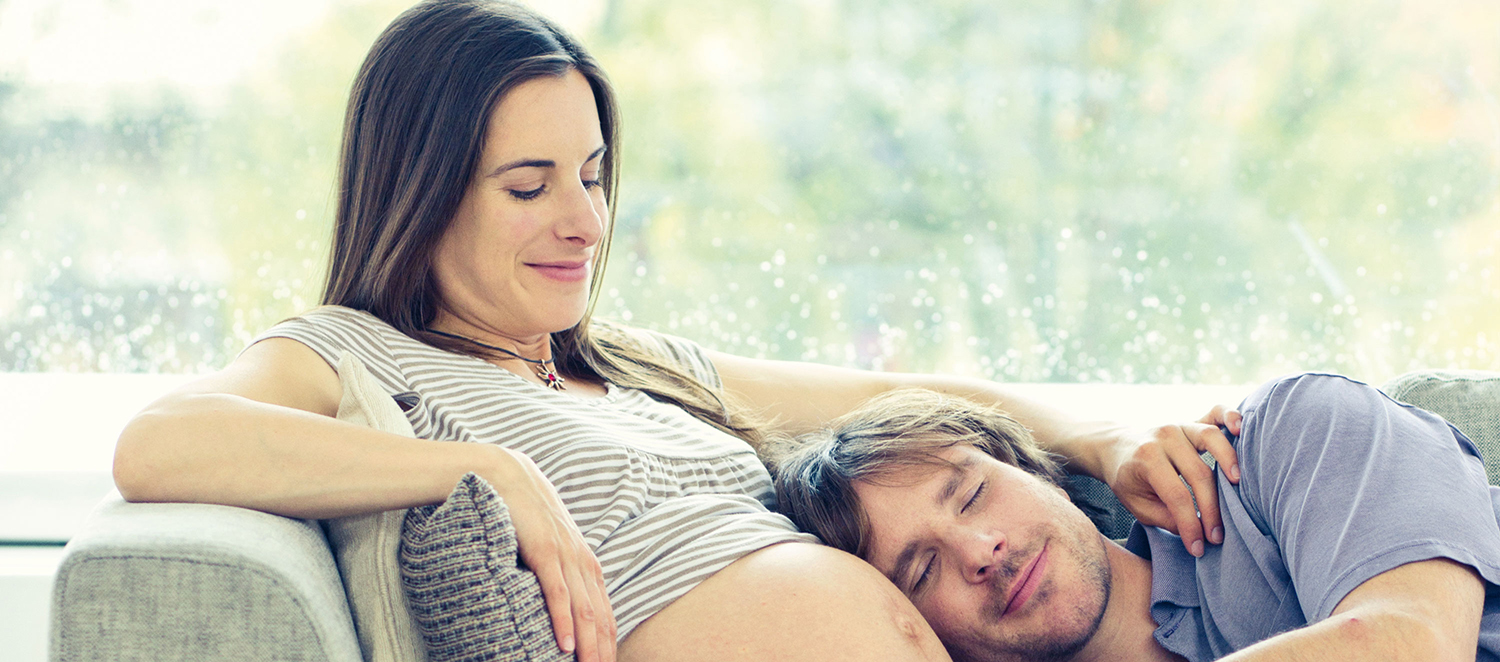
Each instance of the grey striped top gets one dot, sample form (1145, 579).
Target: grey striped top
(664, 499)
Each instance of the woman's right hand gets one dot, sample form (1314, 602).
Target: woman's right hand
(1160, 476)
(551, 546)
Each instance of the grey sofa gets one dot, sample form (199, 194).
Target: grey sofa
(200, 582)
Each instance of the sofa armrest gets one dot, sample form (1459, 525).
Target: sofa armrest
(169, 581)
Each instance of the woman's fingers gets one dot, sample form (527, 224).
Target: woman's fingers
(606, 624)
(571, 579)
(585, 623)
(1199, 478)
(592, 617)
(1211, 439)
(559, 603)
(1165, 478)
(573, 588)
(1224, 417)
(1216, 444)
(1166, 483)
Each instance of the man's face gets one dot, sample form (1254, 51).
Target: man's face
(999, 562)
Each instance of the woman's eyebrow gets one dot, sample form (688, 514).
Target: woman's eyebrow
(523, 163)
(538, 163)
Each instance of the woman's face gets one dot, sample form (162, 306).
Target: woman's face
(517, 259)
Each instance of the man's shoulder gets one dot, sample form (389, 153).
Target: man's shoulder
(1296, 417)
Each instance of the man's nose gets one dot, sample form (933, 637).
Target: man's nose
(982, 553)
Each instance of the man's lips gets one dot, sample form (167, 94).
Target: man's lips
(1026, 583)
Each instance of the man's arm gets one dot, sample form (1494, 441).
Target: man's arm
(1428, 610)
(1382, 518)
(1141, 466)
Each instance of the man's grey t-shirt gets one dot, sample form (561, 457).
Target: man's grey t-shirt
(1338, 483)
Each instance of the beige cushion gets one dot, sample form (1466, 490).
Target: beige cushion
(365, 546)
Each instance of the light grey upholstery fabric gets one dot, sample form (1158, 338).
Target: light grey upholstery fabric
(1469, 399)
(198, 582)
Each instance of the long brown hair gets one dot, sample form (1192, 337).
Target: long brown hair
(413, 136)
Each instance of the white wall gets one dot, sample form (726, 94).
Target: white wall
(55, 453)
(25, 597)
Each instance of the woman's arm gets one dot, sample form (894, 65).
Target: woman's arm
(1145, 468)
(261, 434)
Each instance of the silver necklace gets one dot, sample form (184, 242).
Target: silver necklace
(544, 367)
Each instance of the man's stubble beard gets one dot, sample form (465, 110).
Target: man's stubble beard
(1047, 646)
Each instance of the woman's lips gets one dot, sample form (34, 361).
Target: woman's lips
(1027, 583)
(564, 271)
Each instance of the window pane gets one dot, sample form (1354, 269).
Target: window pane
(1033, 191)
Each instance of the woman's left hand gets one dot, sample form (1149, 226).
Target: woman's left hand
(1150, 467)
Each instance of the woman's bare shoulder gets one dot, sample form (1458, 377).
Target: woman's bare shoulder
(278, 371)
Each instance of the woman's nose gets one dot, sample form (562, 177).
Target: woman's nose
(982, 554)
(584, 216)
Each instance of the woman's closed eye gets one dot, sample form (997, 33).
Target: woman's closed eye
(531, 194)
(592, 175)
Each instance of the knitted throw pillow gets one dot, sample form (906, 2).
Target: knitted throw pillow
(472, 599)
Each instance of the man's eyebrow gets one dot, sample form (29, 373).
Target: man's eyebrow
(538, 163)
(960, 471)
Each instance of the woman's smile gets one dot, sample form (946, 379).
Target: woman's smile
(567, 271)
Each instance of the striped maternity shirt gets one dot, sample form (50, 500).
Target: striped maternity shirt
(664, 499)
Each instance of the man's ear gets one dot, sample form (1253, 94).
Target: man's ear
(1099, 515)
(1065, 494)
(1061, 484)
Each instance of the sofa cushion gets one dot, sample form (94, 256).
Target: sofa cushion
(1469, 399)
(472, 599)
(365, 546)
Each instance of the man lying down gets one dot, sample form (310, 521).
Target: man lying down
(1361, 529)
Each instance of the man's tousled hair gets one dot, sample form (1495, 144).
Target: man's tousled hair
(815, 473)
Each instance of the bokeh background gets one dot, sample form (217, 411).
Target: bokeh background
(1085, 191)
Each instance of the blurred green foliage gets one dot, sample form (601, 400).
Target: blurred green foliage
(1097, 190)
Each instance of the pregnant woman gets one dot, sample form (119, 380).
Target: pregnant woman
(480, 158)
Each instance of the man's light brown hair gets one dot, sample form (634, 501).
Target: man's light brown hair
(815, 473)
